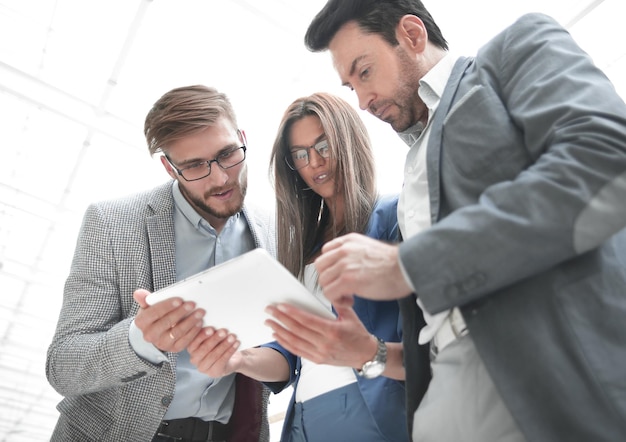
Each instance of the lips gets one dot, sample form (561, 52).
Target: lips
(380, 109)
(321, 178)
(380, 114)
(222, 194)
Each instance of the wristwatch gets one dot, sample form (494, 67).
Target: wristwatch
(375, 367)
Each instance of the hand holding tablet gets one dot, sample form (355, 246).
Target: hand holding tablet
(234, 295)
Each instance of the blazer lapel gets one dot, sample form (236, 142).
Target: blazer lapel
(433, 153)
(161, 238)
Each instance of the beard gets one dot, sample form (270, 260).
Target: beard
(406, 97)
(228, 209)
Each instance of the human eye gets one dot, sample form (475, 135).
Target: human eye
(364, 74)
(227, 153)
(322, 148)
(299, 154)
(195, 166)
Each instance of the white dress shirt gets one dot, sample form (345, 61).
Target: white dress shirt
(316, 379)
(414, 203)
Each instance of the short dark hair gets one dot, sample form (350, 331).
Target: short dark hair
(372, 16)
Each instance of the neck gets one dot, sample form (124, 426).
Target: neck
(336, 209)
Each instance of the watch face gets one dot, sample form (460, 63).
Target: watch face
(373, 369)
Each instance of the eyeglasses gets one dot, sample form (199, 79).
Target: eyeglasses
(299, 157)
(202, 169)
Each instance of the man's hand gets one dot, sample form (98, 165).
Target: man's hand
(215, 353)
(357, 264)
(342, 342)
(170, 325)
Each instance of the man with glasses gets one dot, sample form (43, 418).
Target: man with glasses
(122, 365)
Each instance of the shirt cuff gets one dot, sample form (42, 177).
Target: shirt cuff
(143, 348)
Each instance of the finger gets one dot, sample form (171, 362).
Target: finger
(186, 330)
(303, 324)
(291, 341)
(291, 315)
(333, 244)
(336, 287)
(176, 317)
(215, 356)
(346, 302)
(311, 343)
(155, 319)
(330, 268)
(162, 332)
(210, 340)
(200, 339)
(152, 313)
(140, 297)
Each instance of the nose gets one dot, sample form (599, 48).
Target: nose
(365, 98)
(315, 159)
(218, 175)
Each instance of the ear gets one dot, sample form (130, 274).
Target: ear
(168, 167)
(411, 33)
(242, 136)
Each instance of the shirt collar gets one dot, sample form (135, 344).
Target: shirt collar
(431, 89)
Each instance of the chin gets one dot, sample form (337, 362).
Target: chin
(230, 209)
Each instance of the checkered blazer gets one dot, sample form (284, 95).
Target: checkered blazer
(111, 394)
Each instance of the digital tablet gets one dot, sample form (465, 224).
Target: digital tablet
(234, 295)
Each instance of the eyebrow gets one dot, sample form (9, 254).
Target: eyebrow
(191, 161)
(353, 67)
(317, 140)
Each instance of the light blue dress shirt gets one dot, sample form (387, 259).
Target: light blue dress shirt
(198, 247)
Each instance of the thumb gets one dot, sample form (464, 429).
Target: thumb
(345, 312)
(140, 297)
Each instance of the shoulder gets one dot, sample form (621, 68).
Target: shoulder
(261, 216)
(383, 223)
(261, 221)
(530, 23)
(386, 203)
(529, 30)
(534, 19)
(155, 200)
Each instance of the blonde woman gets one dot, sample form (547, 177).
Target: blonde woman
(347, 373)
(325, 187)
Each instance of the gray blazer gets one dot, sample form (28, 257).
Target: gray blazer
(110, 393)
(527, 176)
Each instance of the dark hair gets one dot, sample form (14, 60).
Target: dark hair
(184, 111)
(372, 16)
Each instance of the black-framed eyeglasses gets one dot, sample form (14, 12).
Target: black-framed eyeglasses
(202, 169)
(299, 157)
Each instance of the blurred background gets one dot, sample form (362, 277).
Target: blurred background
(77, 78)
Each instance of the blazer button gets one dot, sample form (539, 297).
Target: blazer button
(166, 401)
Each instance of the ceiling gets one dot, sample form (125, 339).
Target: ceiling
(76, 80)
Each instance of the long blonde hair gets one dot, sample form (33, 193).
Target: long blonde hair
(302, 219)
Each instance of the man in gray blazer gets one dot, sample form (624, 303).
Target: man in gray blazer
(120, 364)
(512, 211)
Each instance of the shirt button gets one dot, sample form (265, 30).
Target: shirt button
(166, 401)
(410, 213)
